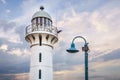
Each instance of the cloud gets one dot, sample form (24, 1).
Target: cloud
(108, 56)
(13, 63)
(19, 52)
(16, 52)
(102, 68)
(74, 73)
(21, 76)
(10, 36)
(28, 11)
(4, 47)
(97, 71)
(8, 32)
(88, 24)
(100, 28)
(8, 11)
(3, 1)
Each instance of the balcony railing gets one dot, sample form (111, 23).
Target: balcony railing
(34, 28)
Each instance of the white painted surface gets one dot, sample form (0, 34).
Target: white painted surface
(46, 65)
(41, 39)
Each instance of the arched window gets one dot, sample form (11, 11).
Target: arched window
(39, 74)
(40, 57)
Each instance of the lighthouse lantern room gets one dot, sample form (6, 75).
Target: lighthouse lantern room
(41, 35)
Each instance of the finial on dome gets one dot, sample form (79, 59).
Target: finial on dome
(41, 8)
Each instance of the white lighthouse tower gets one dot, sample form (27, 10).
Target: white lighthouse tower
(41, 35)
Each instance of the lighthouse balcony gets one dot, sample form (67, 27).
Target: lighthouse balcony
(39, 28)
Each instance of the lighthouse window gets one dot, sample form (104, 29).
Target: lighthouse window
(36, 21)
(40, 57)
(44, 21)
(39, 74)
(40, 21)
(48, 22)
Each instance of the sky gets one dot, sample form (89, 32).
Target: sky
(98, 21)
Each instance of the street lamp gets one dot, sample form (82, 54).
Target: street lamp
(72, 49)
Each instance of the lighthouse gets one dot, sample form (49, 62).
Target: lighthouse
(41, 35)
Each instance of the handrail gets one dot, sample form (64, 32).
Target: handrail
(33, 28)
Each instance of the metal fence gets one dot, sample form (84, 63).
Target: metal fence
(33, 28)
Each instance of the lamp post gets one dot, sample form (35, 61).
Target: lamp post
(72, 49)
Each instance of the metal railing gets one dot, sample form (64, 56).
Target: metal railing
(33, 28)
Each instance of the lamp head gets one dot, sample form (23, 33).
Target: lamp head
(72, 49)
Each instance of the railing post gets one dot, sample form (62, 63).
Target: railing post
(31, 28)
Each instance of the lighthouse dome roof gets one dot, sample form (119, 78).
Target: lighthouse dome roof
(41, 13)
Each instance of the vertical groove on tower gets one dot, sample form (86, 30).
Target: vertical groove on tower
(52, 39)
(47, 37)
(33, 37)
(29, 40)
(40, 40)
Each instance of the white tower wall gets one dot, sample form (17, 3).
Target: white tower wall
(41, 66)
(45, 65)
(42, 36)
